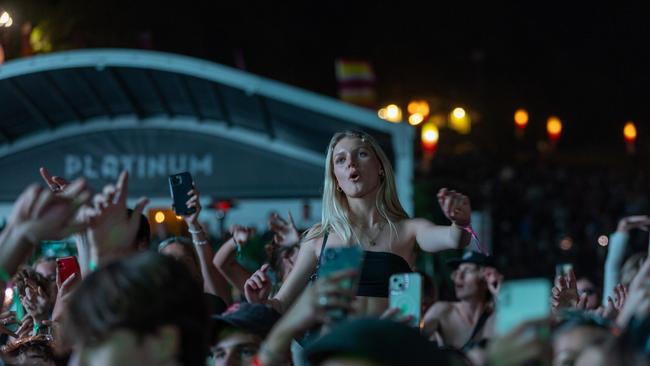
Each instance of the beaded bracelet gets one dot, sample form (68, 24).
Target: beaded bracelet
(237, 248)
(199, 242)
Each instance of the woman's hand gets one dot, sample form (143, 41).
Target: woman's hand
(112, 230)
(56, 184)
(66, 289)
(242, 234)
(192, 220)
(319, 300)
(493, 279)
(286, 233)
(456, 207)
(258, 287)
(565, 293)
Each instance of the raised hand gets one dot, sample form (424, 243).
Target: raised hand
(286, 233)
(242, 234)
(493, 279)
(50, 216)
(526, 344)
(112, 230)
(258, 287)
(395, 315)
(641, 222)
(456, 207)
(320, 299)
(66, 289)
(565, 293)
(192, 220)
(56, 184)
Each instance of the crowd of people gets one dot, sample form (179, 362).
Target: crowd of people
(182, 303)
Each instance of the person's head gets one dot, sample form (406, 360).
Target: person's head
(143, 236)
(373, 342)
(182, 249)
(34, 350)
(282, 258)
(631, 268)
(28, 278)
(468, 278)
(586, 286)
(574, 334)
(240, 331)
(356, 167)
(144, 309)
(46, 267)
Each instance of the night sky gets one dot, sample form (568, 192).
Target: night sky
(587, 64)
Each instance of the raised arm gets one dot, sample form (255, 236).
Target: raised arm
(39, 215)
(294, 284)
(213, 281)
(226, 258)
(616, 251)
(57, 185)
(434, 238)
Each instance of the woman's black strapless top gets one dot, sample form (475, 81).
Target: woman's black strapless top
(376, 271)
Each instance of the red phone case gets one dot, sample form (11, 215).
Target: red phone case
(66, 267)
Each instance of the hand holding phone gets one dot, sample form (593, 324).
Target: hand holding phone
(66, 267)
(335, 260)
(520, 301)
(405, 294)
(179, 185)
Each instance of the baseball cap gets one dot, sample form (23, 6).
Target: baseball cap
(382, 341)
(252, 318)
(472, 257)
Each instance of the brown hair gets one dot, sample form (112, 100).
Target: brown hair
(140, 294)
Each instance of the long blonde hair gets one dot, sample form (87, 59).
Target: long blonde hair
(335, 210)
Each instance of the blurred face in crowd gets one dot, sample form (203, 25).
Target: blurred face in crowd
(123, 347)
(235, 348)
(585, 286)
(34, 355)
(468, 281)
(47, 268)
(183, 254)
(568, 345)
(356, 167)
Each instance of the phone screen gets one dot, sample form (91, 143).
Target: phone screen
(520, 301)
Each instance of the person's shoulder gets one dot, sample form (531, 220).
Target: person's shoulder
(440, 308)
(313, 237)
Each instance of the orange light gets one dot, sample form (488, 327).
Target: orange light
(418, 106)
(629, 132)
(159, 217)
(430, 136)
(521, 118)
(553, 128)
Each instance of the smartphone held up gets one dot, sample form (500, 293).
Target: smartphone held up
(179, 186)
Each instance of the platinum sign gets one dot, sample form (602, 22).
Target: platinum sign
(141, 166)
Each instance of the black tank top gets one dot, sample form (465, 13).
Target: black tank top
(375, 272)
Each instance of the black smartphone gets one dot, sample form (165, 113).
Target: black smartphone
(179, 185)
